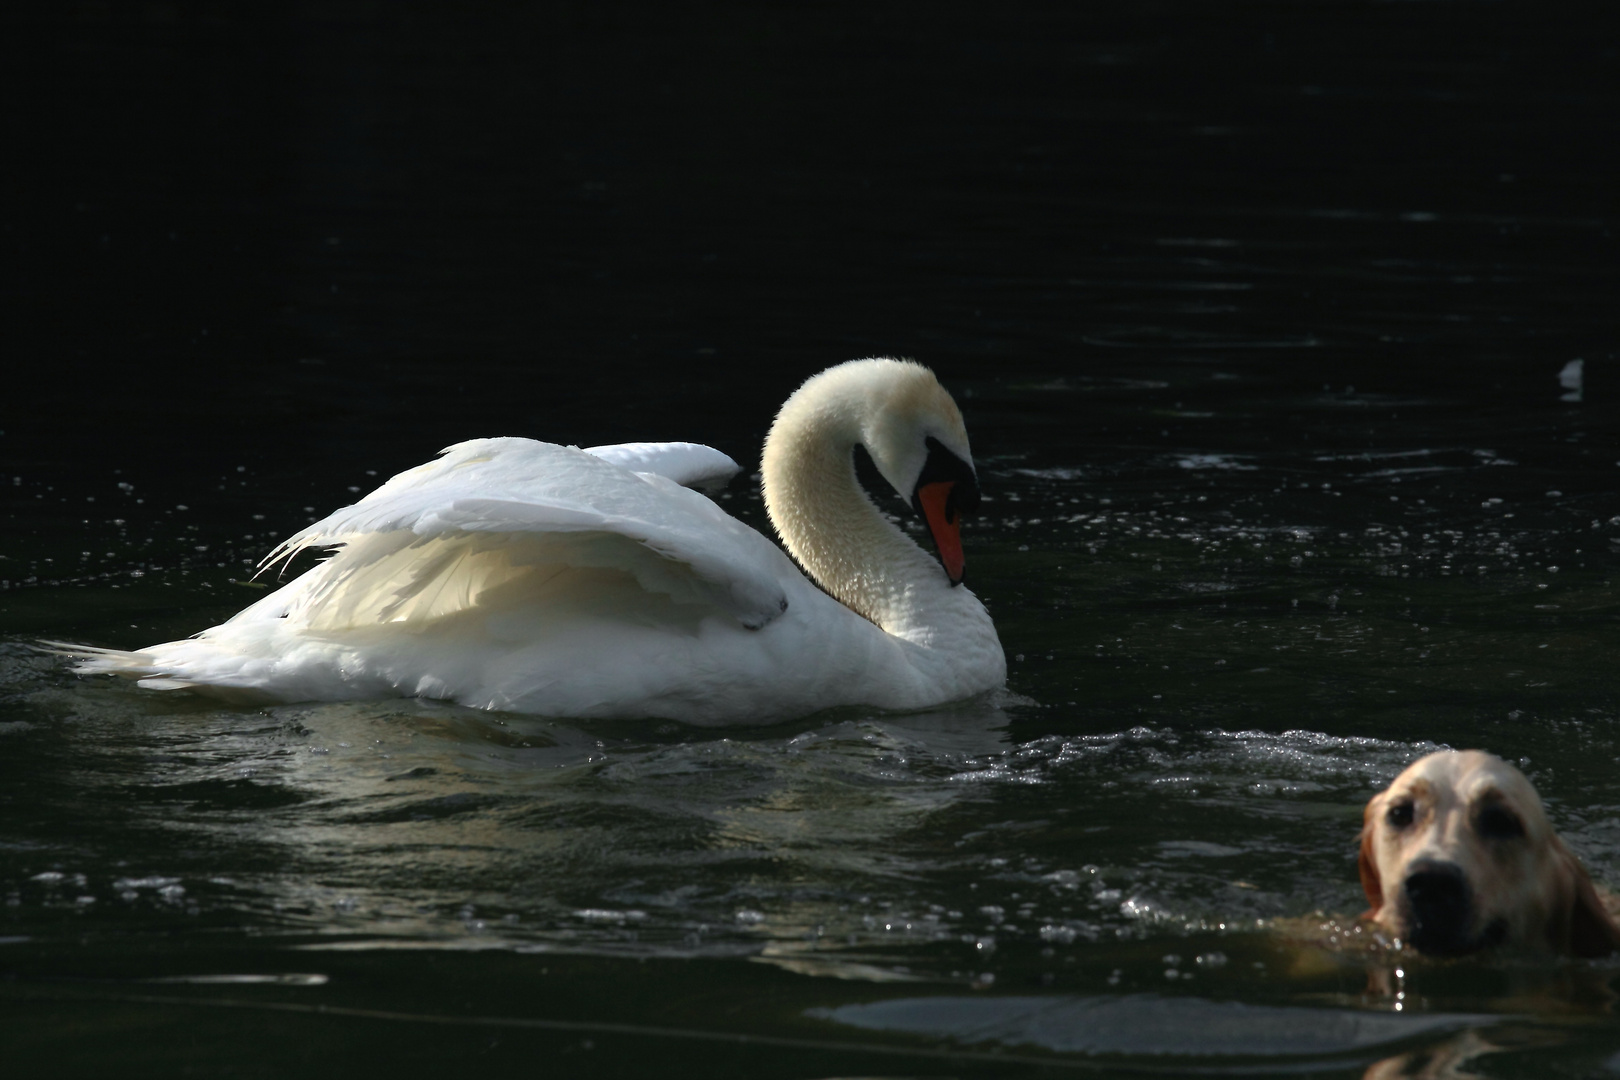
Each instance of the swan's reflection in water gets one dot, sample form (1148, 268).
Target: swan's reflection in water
(445, 825)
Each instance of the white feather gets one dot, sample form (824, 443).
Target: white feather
(687, 463)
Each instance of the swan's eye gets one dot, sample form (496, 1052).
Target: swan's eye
(1399, 815)
(942, 465)
(1497, 822)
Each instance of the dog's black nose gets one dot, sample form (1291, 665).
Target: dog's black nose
(1441, 904)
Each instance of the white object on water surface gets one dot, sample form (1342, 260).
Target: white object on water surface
(520, 575)
(1573, 379)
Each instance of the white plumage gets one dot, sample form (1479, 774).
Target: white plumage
(519, 575)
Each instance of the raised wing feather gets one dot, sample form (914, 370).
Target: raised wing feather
(434, 539)
(688, 464)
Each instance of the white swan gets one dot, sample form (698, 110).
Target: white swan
(518, 575)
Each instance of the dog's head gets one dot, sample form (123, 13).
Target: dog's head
(1457, 855)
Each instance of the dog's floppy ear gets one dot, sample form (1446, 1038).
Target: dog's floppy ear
(1367, 863)
(1592, 932)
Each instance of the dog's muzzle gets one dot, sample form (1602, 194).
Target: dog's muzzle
(1440, 903)
(1440, 907)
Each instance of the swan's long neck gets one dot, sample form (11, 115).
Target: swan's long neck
(831, 526)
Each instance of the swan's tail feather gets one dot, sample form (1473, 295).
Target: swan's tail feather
(92, 660)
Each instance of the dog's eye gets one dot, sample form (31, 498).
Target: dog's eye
(1499, 823)
(1400, 814)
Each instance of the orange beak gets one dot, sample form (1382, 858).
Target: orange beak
(945, 525)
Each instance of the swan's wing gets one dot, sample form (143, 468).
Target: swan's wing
(434, 539)
(688, 464)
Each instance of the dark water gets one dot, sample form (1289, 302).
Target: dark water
(1262, 317)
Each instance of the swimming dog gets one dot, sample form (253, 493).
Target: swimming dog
(1457, 855)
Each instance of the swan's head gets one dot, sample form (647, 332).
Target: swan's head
(913, 432)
